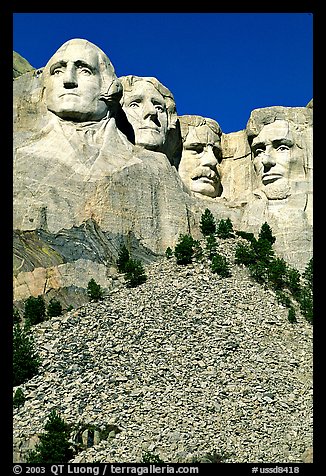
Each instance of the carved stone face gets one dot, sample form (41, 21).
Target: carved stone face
(277, 159)
(145, 109)
(73, 87)
(199, 165)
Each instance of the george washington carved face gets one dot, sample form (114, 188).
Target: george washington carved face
(74, 81)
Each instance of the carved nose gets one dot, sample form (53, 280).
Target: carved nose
(70, 79)
(268, 160)
(209, 159)
(149, 109)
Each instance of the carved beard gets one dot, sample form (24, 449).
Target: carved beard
(278, 190)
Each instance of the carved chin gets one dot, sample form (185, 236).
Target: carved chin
(204, 187)
(278, 190)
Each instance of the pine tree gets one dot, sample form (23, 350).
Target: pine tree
(25, 358)
(211, 246)
(245, 254)
(291, 315)
(266, 233)
(94, 290)
(19, 398)
(35, 309)
(220, 266)
(123, 258)
(225, 229)
(277, 273)
(184, 249)
(16, 316)
(54, 446)
(134, 273)
(207, 223)
(54, 308)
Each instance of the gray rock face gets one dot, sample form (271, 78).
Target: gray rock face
(20, 65)
(83, 186)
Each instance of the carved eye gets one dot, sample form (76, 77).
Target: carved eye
(283, 148)
(133, 104)
(85, 71)
(258, 152)
(195, 149)
(57, 71)
(159, 108)
(217, 153)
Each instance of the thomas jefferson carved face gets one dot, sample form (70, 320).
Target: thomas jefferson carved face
(73, 85)
(199, 165)
(277, 159)
(146, 111)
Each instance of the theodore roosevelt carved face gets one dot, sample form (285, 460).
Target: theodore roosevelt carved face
(199, 166)
(77, 78)
(277, 159)
(150, 110)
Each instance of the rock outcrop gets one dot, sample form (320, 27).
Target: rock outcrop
(20, 65)
(85, 183)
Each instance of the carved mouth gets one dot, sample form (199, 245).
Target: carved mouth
(150, 128)
(269, 178)
(203, 178)
(68, 94)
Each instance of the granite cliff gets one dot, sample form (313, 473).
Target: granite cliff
(92, 173)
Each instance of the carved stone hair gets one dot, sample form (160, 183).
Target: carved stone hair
(191, 120)
(300, 120)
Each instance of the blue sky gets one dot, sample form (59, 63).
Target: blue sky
(217, 65)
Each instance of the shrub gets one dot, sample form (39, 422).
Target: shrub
(25, 358)
(34, 310)
(94, 290)
(54, 446)
(54, 308)
(168, 252)
(245, 254)
(184, 249)
(225, 229)
(134, 273)
(149, 457)
(220, 266)
(291, 315)
(123, 258)
(207, 223)
(19, 398)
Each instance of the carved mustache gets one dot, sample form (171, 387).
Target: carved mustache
(204, 172)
